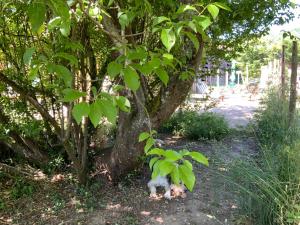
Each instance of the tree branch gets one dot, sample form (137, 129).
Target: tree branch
(30, 98)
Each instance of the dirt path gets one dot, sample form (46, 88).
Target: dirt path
(211, 203)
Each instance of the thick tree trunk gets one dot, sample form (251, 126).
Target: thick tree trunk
(293, 91)
(126, 152)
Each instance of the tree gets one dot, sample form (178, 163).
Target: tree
(59, 57)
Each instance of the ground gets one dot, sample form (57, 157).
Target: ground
(55, 200)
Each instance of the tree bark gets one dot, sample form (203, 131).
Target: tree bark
(293, 91)
(127, 151)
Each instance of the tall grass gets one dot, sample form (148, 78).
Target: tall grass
(268, 187)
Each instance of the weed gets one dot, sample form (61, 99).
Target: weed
(21, 188)
(58, 202)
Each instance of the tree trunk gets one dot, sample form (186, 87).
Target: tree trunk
(127, 151)
(293, 91)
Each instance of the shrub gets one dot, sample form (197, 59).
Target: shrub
(208, 126)
(196, 126)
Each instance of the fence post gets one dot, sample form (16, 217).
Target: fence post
(293, 90)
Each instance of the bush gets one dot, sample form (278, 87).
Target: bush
(196, 126)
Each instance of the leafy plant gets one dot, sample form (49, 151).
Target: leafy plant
(21, 188)
(170, 162)
(58, 202)
(193, 125)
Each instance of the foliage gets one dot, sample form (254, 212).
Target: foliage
(75, 65)
(64, 73)
(272, 124)
(235, 32)
(259, 52)
(170, 162)
(197, 126)
(21, 188)
(268, 186)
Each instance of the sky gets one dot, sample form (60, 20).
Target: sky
(289, 26)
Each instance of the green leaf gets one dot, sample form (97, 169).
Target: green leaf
(123, 103)
(188, 164)
(156, 151)
(110, 2)
(72, 95)
(144, 69)
(109, 110)
(53, 23)
(63, 72)
(199, 157)
(194, 39)
(168, 56)
(143, 136)
(154, 63)
(65, 29)
(131, 78)
(184, 152)
(123, 20)
(80, 110)
(28, 55)
(172, 155)
(156, 171)
(163, 75)
(175, 176)
(61, 9)
(95, 114)
(222, 6)
(184, 8)
(72, 59)
(160, 19)
(203, 21)
(168, 38)
(187, 176)
(213, 10)
(192, 25)
(149, 143)
(165, 167)
(36, 14)
(152, 162)
(113, 69)
(138, 53)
